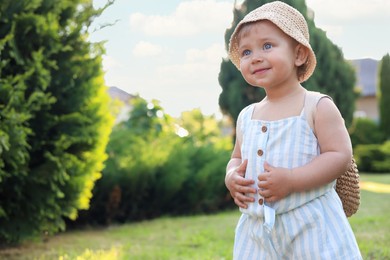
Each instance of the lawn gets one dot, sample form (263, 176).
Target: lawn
(196, 237)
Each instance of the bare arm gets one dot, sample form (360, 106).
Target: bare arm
(335, 150)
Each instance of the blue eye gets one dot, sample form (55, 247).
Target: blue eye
(267, 46)
(246, 52)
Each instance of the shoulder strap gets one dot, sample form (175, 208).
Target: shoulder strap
(242, 119)
(311, 100)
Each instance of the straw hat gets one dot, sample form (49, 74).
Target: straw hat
(288, 19)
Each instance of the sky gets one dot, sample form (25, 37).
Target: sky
(171, 50)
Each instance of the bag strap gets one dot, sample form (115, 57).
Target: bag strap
(311, 100)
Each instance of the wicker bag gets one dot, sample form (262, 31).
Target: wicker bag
(347, 185)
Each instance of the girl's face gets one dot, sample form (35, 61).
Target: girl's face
(267, 55)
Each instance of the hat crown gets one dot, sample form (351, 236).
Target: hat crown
(281, 14)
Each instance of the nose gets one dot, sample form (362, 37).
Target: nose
(257, 57)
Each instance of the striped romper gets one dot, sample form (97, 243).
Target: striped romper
(306, 225)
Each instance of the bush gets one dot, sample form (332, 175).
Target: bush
(151, 171)
(365, 131)
(373, 157)
(187, 179)
(54, 116)
(204, 189)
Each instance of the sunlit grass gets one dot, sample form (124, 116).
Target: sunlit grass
(371, 224)
(196, 237)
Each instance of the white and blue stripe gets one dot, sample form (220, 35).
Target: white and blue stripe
(308, 225)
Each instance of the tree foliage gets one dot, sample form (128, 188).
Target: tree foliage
(202, 129)
(373, 158)
(152, 170)
(384, 95)
(333, 75)
(365, 131)
(54, 120)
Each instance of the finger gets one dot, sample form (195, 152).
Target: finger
(263, 177)
(267, 167)
(246, 190)
(242, 167)
(262, 185)
(240, 203)
(265, 193)
(240, 189)
(271, 199)
(245, 182)
(244, 198)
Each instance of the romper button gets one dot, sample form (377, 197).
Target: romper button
(264, 129)
(261, 201)
(260, 152)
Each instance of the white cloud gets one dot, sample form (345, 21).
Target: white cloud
(355, 25)
(350, 9)
(200, 65)
(333, 30)
(192, 81)
(210, 55)
(146, 49)
(109, 62)
(189, 18)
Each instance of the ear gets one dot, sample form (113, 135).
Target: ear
(301, 55)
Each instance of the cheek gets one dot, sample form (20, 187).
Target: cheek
(249, 77)
(245, 71)
(244, 68)
(242, 65)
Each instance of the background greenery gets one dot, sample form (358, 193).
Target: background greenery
(384, 94)
(64, 165)
(152, 171)
(54, 115)
(197, 237)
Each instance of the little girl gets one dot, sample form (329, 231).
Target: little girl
(282, 172)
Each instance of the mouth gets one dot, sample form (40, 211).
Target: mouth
(259, 71)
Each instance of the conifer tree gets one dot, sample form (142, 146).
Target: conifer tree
(384, 95)
(54, 119)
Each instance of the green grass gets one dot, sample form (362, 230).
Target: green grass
(196, 237)
(371, 224)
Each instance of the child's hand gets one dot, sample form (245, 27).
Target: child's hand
(239, 186)
(275, 183)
